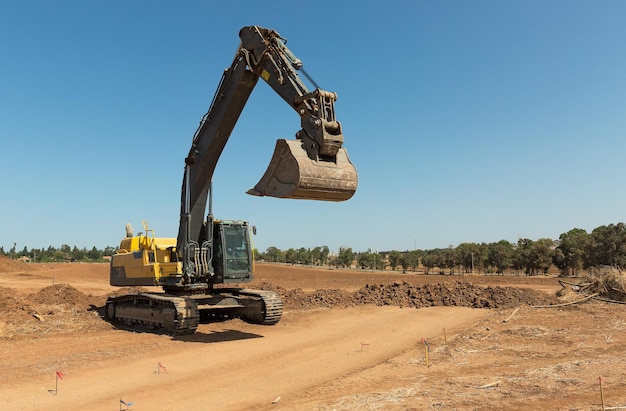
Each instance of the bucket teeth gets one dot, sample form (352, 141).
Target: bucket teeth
(292, 174)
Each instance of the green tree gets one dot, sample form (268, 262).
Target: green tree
(291, 256)
(364, 260)
(324, 253)
(534, 256)
(449, 259)
(345, 256)
(304, 256)
(394, 259)
(414, 258)
(543, 254)
(572, 251)
(319, 255)
(429, 260)
(77, 254)
(500, 256)
(316, 256)
(49, 253)
(472, 256)
(404, 261)
(608, 245)
(522, 258)
(273, 255)
(370, 260)
(95, 254)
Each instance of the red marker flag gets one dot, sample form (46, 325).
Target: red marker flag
(60, 375)
(162, 367)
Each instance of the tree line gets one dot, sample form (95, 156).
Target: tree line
(64, 253)
(574, 251)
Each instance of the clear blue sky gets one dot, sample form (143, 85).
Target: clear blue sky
(468, 121)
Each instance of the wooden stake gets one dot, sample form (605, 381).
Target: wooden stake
(426, 349)
(58, 375)
(445, 340)
(601, 392)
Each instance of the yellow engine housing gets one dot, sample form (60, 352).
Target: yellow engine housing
(145, 260)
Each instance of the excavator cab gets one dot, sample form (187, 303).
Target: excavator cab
(232, 253)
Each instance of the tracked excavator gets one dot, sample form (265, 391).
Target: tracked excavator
(201, 270)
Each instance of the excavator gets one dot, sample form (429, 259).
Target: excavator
(200, 271)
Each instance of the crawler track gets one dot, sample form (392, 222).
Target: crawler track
(271, 310)
(180, 314)
(156, 312)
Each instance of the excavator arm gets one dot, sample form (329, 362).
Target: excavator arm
(267, 55)
(313, 166)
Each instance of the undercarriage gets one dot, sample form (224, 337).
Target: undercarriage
(181, 314)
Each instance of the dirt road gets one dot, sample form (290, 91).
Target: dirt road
(231, 365)
(325, 357)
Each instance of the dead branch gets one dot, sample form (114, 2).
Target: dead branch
(511, 316)
(570, 303)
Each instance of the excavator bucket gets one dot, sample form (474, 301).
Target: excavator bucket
(292, 174)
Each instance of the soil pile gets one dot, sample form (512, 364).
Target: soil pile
(403, 294)
(57, 308)
(455, 293)
(13, 308)
(63, 294)
(8, 265)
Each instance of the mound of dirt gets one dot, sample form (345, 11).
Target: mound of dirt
(62, 294)
(403, 294)
(455, 293)
(8, 265)
(58, 308)
(12, 308)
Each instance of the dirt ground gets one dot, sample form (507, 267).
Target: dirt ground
(348, 340)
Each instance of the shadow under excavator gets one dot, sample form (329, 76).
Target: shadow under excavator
(198, 336)
(217, 336)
